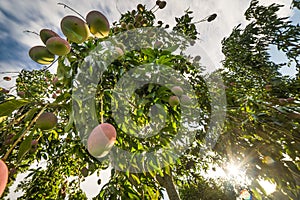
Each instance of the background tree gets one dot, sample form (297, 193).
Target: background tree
(262, 128)
(261, 131)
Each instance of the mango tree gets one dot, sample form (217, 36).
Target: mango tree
(134, 96)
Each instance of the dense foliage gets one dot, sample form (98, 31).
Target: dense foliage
(260, 132)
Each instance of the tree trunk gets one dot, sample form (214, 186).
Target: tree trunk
(167, 182)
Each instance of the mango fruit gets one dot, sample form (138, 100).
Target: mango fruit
(174, 101)
(75, 29)
(45, 34)
(98, 24)
(3, 176)
(41, 55)
(46, 121)
(177, 90)
(58, 46)
(101, 140)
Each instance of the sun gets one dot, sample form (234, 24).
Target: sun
(236, 173)
(233, 169)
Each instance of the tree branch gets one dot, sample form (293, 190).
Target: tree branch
(167, 182)
(24, 133)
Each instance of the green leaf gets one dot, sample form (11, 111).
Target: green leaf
(168, 170)
(256, 194)
(70, 122)
(149, 52)
(53, 135)
(140, 146)
(6, 108)
(136, 178)
(152, 173)
(132, 196)
(25, 147)
(163, 60)
(172, 48)
(102, 193)
(62, 97)
(3, 118)
(30, 114)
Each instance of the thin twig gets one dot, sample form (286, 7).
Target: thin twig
(101, 108)
(15, 121)
(28, 31)
(9, 72)
(156, 10)
(118, 9)
(153, 7)
(45, 68)
(202, 20)
(24, 133)
(66, 6)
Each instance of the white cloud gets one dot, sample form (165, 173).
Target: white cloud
(47, 14)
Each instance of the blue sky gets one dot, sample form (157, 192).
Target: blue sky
(16, 16)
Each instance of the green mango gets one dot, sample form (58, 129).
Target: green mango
(98, 24)
(75, 29)
(46, 121)
(41, 55)
(58, 46)
(45, 34)
(177, 90)
(174, 101)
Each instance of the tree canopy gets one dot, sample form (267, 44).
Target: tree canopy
(124, 74)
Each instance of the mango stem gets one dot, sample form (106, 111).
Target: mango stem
(66, 6)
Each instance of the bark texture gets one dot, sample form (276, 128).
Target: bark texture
(167, 182)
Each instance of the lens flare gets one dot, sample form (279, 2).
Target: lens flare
(268, 186)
